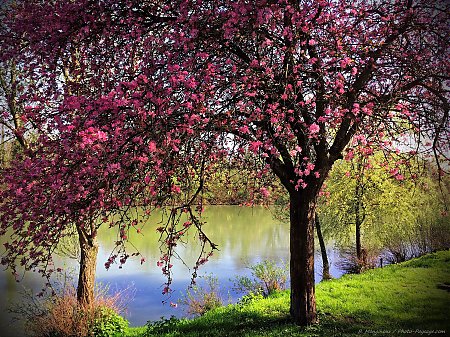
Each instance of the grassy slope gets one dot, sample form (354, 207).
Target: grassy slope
(387, 301)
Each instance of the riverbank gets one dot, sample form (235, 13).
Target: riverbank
(406, 299)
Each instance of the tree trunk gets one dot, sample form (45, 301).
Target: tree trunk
(303, 301)
(359, 209)
(358, 240)
(323, 250)
(3, 146)
(88, 264)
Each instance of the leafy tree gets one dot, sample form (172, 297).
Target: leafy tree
(184, 83)
(418, 223)
(382, 208)
(12, 137)
(355, 189)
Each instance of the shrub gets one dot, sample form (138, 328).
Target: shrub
(199, 300)
(108, 323)
(267, 278)
(350, 263)
(60, 315)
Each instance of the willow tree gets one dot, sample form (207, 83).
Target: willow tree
(289, 82)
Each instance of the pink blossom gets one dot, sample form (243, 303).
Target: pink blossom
(314, 128)
(102, 136)
(345, 62)
(254, 146)
(176, 189)
(399, 177)
(143, 159)
(393, 171)
(147, 179)
(264, 192)
(244, 129)
(152, 146)
(349, 156)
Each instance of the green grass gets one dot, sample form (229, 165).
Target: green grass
(397, 300)
(136, 331)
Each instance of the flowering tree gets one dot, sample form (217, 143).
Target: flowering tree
(290, 83)
(99, 150)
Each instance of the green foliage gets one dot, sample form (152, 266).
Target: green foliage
(108, 323)
(227, 187)
(164, 325)
(199, 300)
(395, 298)
(249, 298)
(136, 331)
(281, 209)
(404, 217)
(418, 225)
(267, 278)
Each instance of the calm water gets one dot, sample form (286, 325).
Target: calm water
(244, 236)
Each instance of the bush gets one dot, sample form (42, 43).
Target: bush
(268, 277)
(60, 315)
(350, 263)
(199, 300)
(108, 323)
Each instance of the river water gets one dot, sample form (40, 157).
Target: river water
(244, 236)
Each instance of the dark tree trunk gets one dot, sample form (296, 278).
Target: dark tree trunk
(358, 240)
(3, 146)
(359, 209)
(302, 214)
(323, 250)
(88, 264)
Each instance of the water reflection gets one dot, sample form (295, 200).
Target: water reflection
(244, 236)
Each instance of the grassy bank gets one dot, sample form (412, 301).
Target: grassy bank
(398, 300)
